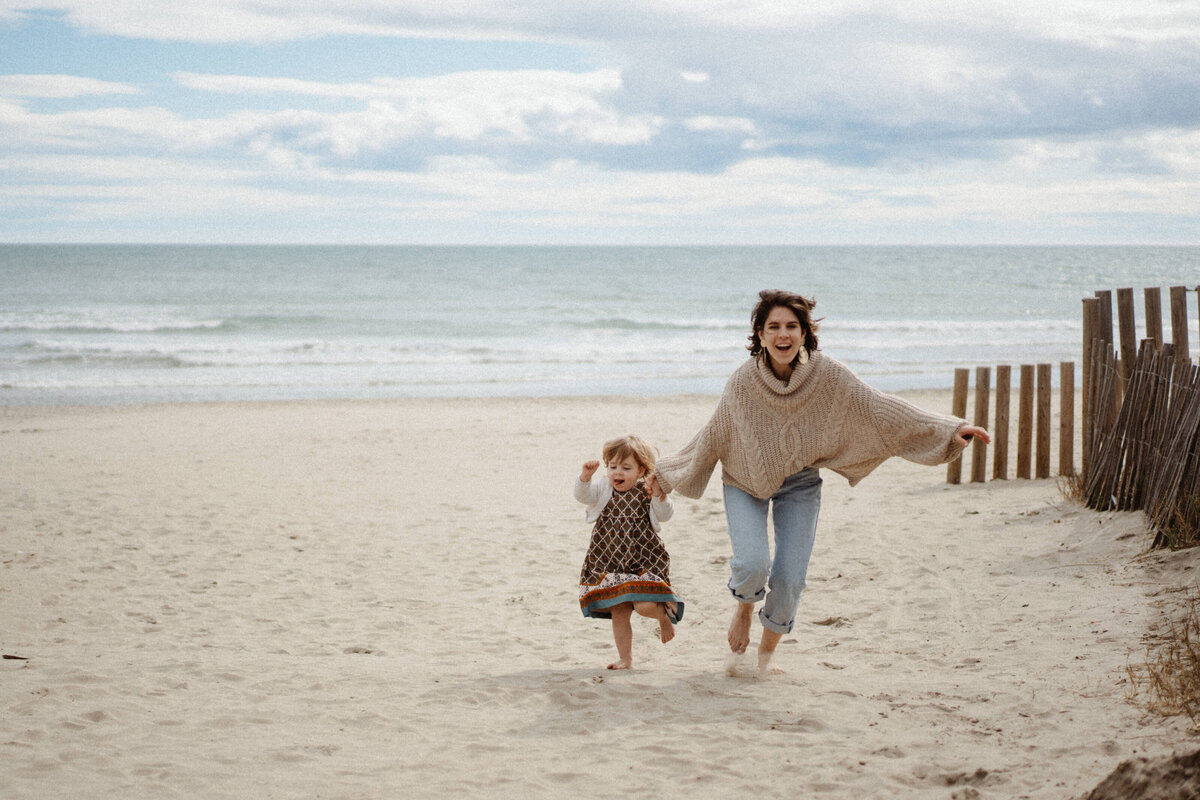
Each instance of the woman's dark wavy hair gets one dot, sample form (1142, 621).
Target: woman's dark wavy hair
(800, 306)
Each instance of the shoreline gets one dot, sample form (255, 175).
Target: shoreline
(912, 394)
(349, 597)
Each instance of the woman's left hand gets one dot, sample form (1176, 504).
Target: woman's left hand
(966, 432)
(653, 489)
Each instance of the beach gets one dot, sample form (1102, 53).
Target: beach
(377, 598)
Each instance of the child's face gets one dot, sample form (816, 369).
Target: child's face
(623, 474)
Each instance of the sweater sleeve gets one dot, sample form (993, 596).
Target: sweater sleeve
(689, 470)
(877, 426)
(914, 433)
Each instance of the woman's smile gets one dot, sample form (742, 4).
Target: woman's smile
(780, 335)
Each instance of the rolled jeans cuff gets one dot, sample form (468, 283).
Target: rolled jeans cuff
(772, 625)
(757, 597)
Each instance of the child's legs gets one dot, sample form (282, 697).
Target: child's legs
(657, 611)
(750, 564)
(650, 609)
(622, 629)
(795, 508)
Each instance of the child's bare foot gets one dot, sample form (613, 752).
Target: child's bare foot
(622, 663)
(739, 628)
(666, 629)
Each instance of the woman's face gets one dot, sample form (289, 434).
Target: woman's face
(782, 336)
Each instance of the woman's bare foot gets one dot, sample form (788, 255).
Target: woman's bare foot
(622, 663)
(766, 650)
(739, 628)
(764, 665)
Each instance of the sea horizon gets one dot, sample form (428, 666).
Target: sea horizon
(136, 323)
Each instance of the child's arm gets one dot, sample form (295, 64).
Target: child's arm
(585, 492)
(663, 510)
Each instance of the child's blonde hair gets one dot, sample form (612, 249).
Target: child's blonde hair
(630, 446)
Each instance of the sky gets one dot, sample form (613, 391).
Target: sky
(669, 122)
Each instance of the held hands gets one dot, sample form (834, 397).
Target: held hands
(589, 469)
(963, 437)
(653, 489)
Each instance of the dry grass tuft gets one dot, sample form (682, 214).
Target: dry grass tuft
(1073, 488)
(1169, 683)
(1182, 529)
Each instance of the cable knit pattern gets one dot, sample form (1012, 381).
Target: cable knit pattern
(765, 430)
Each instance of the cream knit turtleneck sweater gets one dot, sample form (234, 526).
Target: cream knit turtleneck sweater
(765, 430)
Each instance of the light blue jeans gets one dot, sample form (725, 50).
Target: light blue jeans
(754, 574)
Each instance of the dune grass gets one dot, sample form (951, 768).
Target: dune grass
(1168, 683)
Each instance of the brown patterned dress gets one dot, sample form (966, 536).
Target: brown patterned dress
(626, 560)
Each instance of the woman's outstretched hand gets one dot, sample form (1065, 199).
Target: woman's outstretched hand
(653, 489)
(963, 437)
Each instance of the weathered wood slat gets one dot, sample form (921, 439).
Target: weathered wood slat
(1066, 418)
(958, 409)
(978, 447)
(1000, 429)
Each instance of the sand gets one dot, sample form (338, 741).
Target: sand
(377, 599)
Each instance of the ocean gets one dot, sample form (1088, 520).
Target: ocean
(108, 324)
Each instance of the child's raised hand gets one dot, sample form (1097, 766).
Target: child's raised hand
(589, 469)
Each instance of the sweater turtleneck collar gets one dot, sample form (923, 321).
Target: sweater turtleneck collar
(803, 368)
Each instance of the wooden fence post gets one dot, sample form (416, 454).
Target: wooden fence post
(1154, 330)
(1043, 421)
(1104, 402)
(1104, 330)
(1025, 421)
(1179, 323)
(1125, 323)
(958, 409)
(1000, 431)
(983, 380)
(1091, 313)
(1066, 418)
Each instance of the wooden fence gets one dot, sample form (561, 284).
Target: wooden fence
(1036, 430)
(1141, 436)
(1140, 413)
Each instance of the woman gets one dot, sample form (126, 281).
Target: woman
(786, 412)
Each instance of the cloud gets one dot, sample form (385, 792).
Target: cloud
(721, 124)
(102, 130)
(540, 83)
(1038, 190)
(60, 86)
(517, 109)
(523, 116)
(725, 118)
(1102, 22)
(893, 79)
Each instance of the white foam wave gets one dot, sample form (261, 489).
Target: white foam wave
(90, 321)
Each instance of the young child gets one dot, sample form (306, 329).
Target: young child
(627, 568)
